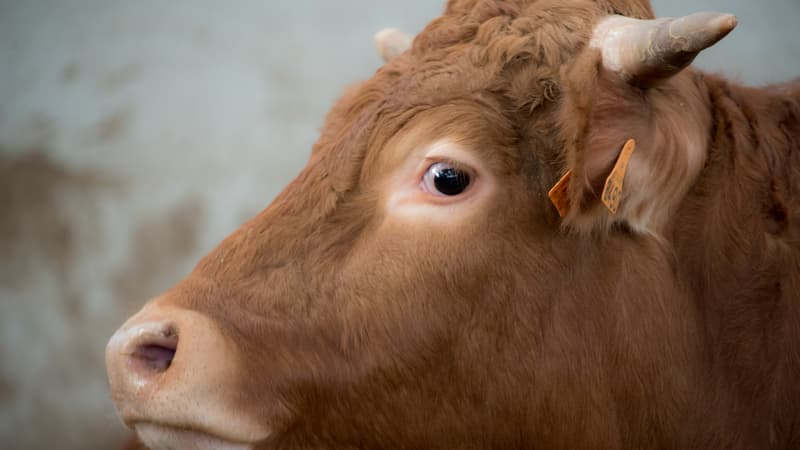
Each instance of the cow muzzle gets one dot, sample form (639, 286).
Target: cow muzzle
(173, 374)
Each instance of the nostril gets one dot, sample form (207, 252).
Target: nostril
(155, 353)
(156, 356)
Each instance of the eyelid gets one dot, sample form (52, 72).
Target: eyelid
(430, 161)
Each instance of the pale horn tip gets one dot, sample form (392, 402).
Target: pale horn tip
(701, 30)
(392, 42)
(724, 23)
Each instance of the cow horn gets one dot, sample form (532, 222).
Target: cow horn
(643, 51)
(392, 42)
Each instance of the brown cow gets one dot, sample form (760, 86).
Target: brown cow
(414, 287)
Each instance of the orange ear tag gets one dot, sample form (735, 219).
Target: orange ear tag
(558, 194)
(612, 192)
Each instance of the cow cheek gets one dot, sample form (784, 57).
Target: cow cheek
(405, 289)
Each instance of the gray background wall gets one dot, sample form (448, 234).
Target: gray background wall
(135, 135)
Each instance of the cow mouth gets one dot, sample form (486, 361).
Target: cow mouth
(163, 437)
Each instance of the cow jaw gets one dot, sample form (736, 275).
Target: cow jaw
(171, 372)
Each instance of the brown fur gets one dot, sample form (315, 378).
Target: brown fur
(510, 330)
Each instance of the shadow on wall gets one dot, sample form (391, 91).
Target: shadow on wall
(51, 339)
(62, 298)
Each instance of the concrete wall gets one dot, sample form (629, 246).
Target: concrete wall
(135, 135)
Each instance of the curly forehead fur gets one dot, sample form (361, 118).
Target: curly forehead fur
(504, 55)
(512, 47)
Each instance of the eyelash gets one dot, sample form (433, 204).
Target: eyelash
(429, 162)
(429, 184)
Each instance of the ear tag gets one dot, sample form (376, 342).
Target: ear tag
(612, 192)
(558, 194)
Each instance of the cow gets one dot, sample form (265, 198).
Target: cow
(536, 226)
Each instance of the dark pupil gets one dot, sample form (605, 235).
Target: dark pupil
(451, 181)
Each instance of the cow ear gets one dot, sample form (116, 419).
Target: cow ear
(392, 42)
(628, 85)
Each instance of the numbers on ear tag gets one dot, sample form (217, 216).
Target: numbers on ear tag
(612, 192)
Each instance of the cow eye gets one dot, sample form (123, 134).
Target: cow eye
(443, 178)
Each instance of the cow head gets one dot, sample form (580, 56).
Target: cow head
(414, 286)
